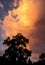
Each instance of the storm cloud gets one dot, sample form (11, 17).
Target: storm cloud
(6, 5)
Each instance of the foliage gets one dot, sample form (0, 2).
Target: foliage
(17, 51)
(42, 56)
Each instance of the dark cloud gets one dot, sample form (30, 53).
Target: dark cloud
(39, 47)
(39, 36)
(40, 29)
(1, 32)
(7, 5)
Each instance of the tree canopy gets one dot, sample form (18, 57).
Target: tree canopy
(17, 51)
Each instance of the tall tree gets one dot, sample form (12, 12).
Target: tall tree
(17, 51)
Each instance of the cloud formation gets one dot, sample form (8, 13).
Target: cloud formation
(28, 19)
(6, 5)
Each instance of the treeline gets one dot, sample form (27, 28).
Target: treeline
(17, 53)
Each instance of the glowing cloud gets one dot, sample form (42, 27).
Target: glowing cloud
(28, 15)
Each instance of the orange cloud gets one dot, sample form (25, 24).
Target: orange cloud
(28, 13)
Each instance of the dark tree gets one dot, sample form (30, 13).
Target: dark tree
(41, 60)
(42, 56)
(17, 52)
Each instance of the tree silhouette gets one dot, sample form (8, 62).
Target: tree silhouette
(42, 56)
(41, 60)
(17, 52)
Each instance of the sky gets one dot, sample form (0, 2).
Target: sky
(26, 17)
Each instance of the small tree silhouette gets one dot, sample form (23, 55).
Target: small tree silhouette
(42, 56)
(17, 51)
